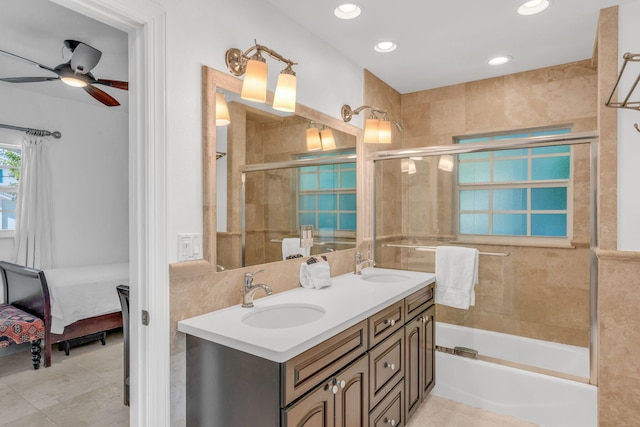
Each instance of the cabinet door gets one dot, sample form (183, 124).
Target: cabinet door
(429, 346)
(352, 398)
(316, 409)
(414, 365)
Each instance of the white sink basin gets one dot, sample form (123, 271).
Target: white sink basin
(283, 316)
(384, 277)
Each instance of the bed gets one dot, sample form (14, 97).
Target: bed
(73, 302)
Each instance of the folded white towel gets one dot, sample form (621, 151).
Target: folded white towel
(315, 276)
(456, 275)
(291, 246)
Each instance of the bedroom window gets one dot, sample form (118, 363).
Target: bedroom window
(10, 161)
(521, 192)
(326, 195)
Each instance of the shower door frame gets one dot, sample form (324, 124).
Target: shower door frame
(576, 138)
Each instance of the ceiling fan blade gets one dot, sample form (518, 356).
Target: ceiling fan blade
(114, 83)
(28, 61)
(84, 57)
(28, 79)
(101, 96)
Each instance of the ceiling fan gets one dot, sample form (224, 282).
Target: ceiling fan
(75, 73)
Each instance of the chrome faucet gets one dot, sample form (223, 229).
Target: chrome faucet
(360, 261)
(249, 289)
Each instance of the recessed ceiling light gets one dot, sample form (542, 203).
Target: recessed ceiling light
(384, 47)
(532, 7)
(347, 11)
(499, 60)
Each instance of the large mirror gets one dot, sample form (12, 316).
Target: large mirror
(262, 182)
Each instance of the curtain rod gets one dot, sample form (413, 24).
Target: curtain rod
(37, 132)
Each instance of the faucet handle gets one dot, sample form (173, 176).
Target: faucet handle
(247, 274)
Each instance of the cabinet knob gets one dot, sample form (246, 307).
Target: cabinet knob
(426, 319)
(342, 383)
(390, 421)
(391, 366)
(390, 322)
(334, 389)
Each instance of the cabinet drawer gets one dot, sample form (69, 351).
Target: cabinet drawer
(390, 411)
(385, 322)
(418, 301)
(315, 365)
(386, 366)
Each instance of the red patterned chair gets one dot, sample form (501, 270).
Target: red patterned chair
(19, 327)
(26, 316)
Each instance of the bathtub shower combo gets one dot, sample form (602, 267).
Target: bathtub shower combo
(527, 347)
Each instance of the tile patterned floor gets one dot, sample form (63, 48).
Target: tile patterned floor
(82, 389)
(85, 389)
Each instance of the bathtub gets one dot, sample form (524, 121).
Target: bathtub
(542, 399)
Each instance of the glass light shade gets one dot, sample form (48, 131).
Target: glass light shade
(222, 110)
(371, 134)
(72, 81)
(328, 142)
(384, 132)
(313, 139)
(254, 86)
(285, 96)
(446, 163)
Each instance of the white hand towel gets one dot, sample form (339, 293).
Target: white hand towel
(315, 276)
(456, 275)
(291, 246)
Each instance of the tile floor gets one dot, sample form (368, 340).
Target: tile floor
(85, 389)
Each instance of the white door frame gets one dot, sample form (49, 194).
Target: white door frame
(144, 21)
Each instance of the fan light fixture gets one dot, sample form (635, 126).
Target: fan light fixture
(73, 81)
(376, 130)
(254, 69)
(222, 110)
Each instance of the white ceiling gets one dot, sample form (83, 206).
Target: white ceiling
(450, 41)
(37, 29)
(439, 43)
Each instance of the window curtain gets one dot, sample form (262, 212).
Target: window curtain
(33, 241)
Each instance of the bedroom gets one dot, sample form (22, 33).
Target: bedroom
(89, 163)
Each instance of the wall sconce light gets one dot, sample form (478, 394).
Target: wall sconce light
(254, 69)
(317, 140)
(222, 110)
(376, 130)
(313, 139)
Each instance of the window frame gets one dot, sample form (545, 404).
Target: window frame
(8, 188)
(334, 191)
(529, 184)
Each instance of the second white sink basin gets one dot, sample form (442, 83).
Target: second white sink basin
(384, 277)
(283, 316)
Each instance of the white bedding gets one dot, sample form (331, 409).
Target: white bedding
(81, 292)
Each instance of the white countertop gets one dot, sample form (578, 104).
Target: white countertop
(348, 300)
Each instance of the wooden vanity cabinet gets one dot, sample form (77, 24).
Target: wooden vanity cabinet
(420, 359)
(342, 401)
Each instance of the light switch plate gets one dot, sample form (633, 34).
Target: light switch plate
(189, 246)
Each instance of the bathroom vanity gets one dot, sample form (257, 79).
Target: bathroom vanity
(358, 353)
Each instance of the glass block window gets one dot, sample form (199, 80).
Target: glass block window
(10, 161)
(518, 192)
(326, 195)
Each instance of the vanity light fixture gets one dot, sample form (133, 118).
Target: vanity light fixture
(320, 139)
(313, 139)
(347, 11)
(532, 7)
(376, 130)
(222, 110)
(254, 69)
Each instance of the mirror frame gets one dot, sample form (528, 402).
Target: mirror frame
(213, 79)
